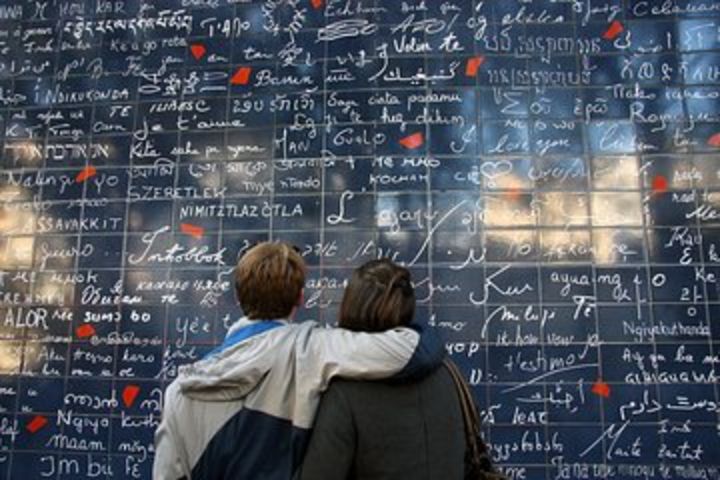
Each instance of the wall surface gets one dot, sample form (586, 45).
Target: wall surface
(549, 170)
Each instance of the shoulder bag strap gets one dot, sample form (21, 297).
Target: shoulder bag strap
(477, 454)
(471, 418)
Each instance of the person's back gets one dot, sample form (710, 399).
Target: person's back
(386, 431)
(245, 411)
(382, 431)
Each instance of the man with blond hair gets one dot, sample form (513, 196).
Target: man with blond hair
(246, 410)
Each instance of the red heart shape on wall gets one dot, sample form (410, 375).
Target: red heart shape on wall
(412, 141)
(129, 395)
(198, 51)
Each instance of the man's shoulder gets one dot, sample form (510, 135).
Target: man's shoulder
(172, 396)
(173, 390)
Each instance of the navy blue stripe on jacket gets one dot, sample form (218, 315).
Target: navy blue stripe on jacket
(240, 449)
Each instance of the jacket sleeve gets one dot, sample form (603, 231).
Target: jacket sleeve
(167, 464)
(401, 353)
(330, 454)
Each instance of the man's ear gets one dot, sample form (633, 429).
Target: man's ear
(301, 298)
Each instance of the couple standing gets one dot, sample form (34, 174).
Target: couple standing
(247, 410)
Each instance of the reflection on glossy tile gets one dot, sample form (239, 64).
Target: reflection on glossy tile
(563, 209)
(616, 208)
(562, 174)
(14, 193)
(612, 137)
(10, 357)
(618, 245)
(512, 209)
(457, 248)
(16, 252)
(706, 171)
(54, 292)
(24, 153)
(32, 356)
(17, 218)
(565, 245)
(611, 173)
(511, 245)
(508, 174)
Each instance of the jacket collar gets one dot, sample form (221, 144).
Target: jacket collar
(246, 322)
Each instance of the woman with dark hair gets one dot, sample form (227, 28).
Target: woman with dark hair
(386, 431)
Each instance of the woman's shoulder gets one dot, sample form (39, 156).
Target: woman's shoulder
(439, 379)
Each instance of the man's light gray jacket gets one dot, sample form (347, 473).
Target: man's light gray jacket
(246, 411)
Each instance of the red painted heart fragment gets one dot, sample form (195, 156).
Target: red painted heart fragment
(85, 331)
(36, 424)
(659, 184)
(198, 51)
(615, 29)
(714, 141)
(473, 64)
(241, 76)
(192, 230)
(129, 395)
(601, 388)
(412, 141)
(85, 174)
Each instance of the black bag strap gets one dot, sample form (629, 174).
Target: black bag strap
(477, 452)
(471, 418)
